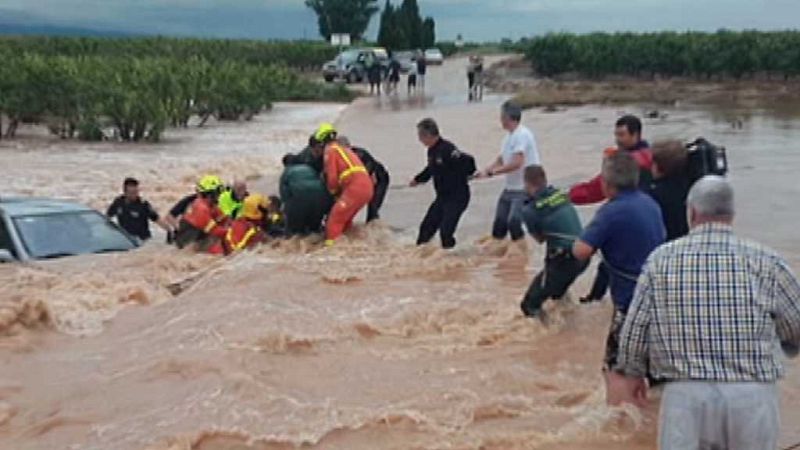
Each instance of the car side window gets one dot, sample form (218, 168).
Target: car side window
(5, 238)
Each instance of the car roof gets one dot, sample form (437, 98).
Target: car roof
(27, 206)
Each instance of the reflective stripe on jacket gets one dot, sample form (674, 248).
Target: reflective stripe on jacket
(340, 164)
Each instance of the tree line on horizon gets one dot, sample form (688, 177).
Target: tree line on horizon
(699, 55)
(81, 87)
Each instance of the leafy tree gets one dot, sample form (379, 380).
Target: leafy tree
(343, 16)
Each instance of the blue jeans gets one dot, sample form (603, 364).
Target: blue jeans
(507, 219)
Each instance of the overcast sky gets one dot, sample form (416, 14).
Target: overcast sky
(475, 19)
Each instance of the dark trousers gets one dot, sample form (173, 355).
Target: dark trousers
(373, 209)
(443, 216)
(600, 284)
(304, 218)
(507, 219)
(559, 272)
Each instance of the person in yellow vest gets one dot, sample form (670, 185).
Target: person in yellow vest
(347, 179)
(248, 229)
(231, 199)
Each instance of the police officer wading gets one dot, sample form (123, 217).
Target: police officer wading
(550, 217)
(450, 170)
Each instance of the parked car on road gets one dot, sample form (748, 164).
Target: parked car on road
(406, 59)
(38, 229)
(349, 64)
(434, 57)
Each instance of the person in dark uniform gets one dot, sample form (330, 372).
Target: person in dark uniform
(306, 156)
(550, 217)
(379, 174)
(305, 199)
(133, 214)
(451, 171)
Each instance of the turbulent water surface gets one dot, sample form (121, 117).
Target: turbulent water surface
(371, 344)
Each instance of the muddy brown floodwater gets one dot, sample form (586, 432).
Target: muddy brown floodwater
(371, 344)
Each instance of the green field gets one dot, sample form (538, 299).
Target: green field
(140, 86)
(724, 54)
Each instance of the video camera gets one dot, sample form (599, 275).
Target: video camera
(705, 158)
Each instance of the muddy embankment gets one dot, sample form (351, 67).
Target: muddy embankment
(514, 76)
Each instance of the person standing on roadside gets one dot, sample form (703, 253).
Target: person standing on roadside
(518, 152)
(708, 315)
(450, 170)
(393, 78)
(412, 78)
(133, 214)
(422, 69)
(626, 230)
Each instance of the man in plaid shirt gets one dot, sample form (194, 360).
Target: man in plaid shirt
(710, 314)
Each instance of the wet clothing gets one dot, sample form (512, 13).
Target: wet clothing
(450, 170)
(592, 191)
(183, 204)
(550, 215)
(305, 199)
(305, 157)
(507, 219)
(519, 141)
(670, 193)
(202, 221)
(229, 204)
(134, 216)
(730, 416)
(240, 235)
(349, 181)
(443, 216)
(625, 230)
(381, 177)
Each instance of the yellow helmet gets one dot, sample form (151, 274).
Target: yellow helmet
(254, 207)
(325, 133)
(209, 183)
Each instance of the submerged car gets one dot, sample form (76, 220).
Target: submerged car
(350, 66)
(39, 229)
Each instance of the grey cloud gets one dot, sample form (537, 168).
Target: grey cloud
(476, 19)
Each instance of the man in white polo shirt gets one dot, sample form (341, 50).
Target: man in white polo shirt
(518, 152)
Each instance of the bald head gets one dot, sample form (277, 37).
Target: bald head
(710, 200)
(240, 189)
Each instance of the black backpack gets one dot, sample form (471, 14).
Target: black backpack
(705, 158)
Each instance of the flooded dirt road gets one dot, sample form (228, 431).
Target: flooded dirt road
(371, 344)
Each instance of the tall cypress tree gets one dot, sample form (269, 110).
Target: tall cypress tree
(428, 32)
(411, 23)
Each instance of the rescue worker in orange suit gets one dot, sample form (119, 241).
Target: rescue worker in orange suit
(628, 134)
(347, 180)
(248, 229)
(203, 223)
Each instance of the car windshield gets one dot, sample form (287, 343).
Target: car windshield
(347, 57)
(67, 234)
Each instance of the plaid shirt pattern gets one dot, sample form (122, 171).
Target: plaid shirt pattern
(711, 307)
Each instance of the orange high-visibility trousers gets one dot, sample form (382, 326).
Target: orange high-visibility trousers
(357, 192)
